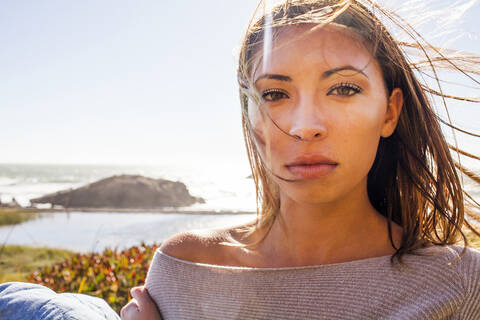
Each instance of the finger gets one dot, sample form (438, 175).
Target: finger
(136, 289)
(130, 310)
(142, 297)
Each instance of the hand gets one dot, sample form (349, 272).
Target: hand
(141, 307)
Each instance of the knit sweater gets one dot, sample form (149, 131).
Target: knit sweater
(371, 288)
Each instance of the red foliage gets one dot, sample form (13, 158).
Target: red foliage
(108, 275)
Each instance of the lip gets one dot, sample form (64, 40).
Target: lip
(311, 158)
(310, 166)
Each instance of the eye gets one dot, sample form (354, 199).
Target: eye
(272, 95)
(344, 89)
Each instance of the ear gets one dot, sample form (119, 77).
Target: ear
(395, 103)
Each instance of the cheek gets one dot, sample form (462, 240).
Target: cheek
(360, 135)
(276, 143)
(269, 142)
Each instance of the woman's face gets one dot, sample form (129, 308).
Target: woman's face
(325, 89)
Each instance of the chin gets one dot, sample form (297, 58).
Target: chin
(311, 197)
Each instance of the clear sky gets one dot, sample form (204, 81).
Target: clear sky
(125, 82)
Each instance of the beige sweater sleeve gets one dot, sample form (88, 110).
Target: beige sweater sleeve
(469, 270)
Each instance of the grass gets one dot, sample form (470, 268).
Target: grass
(108, 275)
(17, 262)
(9, 216)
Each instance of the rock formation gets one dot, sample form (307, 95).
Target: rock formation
(124, 192)
(12, 204)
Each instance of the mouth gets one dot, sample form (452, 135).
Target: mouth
(311, 166)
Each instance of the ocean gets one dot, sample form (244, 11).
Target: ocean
(229, 195)
(224, 188)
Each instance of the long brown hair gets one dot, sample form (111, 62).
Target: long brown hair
(414, 180)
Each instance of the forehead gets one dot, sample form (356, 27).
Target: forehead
(327, 46)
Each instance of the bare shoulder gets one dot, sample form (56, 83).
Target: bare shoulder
(206, 245)
(186, 245)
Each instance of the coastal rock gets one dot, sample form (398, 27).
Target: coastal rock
(124, 192)
(12, 204)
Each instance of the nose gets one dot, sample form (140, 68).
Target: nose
(308, 122)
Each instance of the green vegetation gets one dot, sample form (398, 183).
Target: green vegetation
(10, 216)
(17, 262)
(109, 275)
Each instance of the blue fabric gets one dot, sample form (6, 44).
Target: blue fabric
(28, 301)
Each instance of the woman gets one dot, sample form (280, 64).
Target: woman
(352, 171)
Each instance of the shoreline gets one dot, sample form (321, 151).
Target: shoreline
(121, 210)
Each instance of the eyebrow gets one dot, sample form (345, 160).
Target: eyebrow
(325, 75)
(274, 77)
(328, 73)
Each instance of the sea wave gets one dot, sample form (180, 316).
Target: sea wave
(223, 190)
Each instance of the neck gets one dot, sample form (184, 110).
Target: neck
(342, 230)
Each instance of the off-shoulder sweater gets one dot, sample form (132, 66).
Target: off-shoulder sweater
(427, 288)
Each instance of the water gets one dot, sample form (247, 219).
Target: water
(86, 231)
(223, 186)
